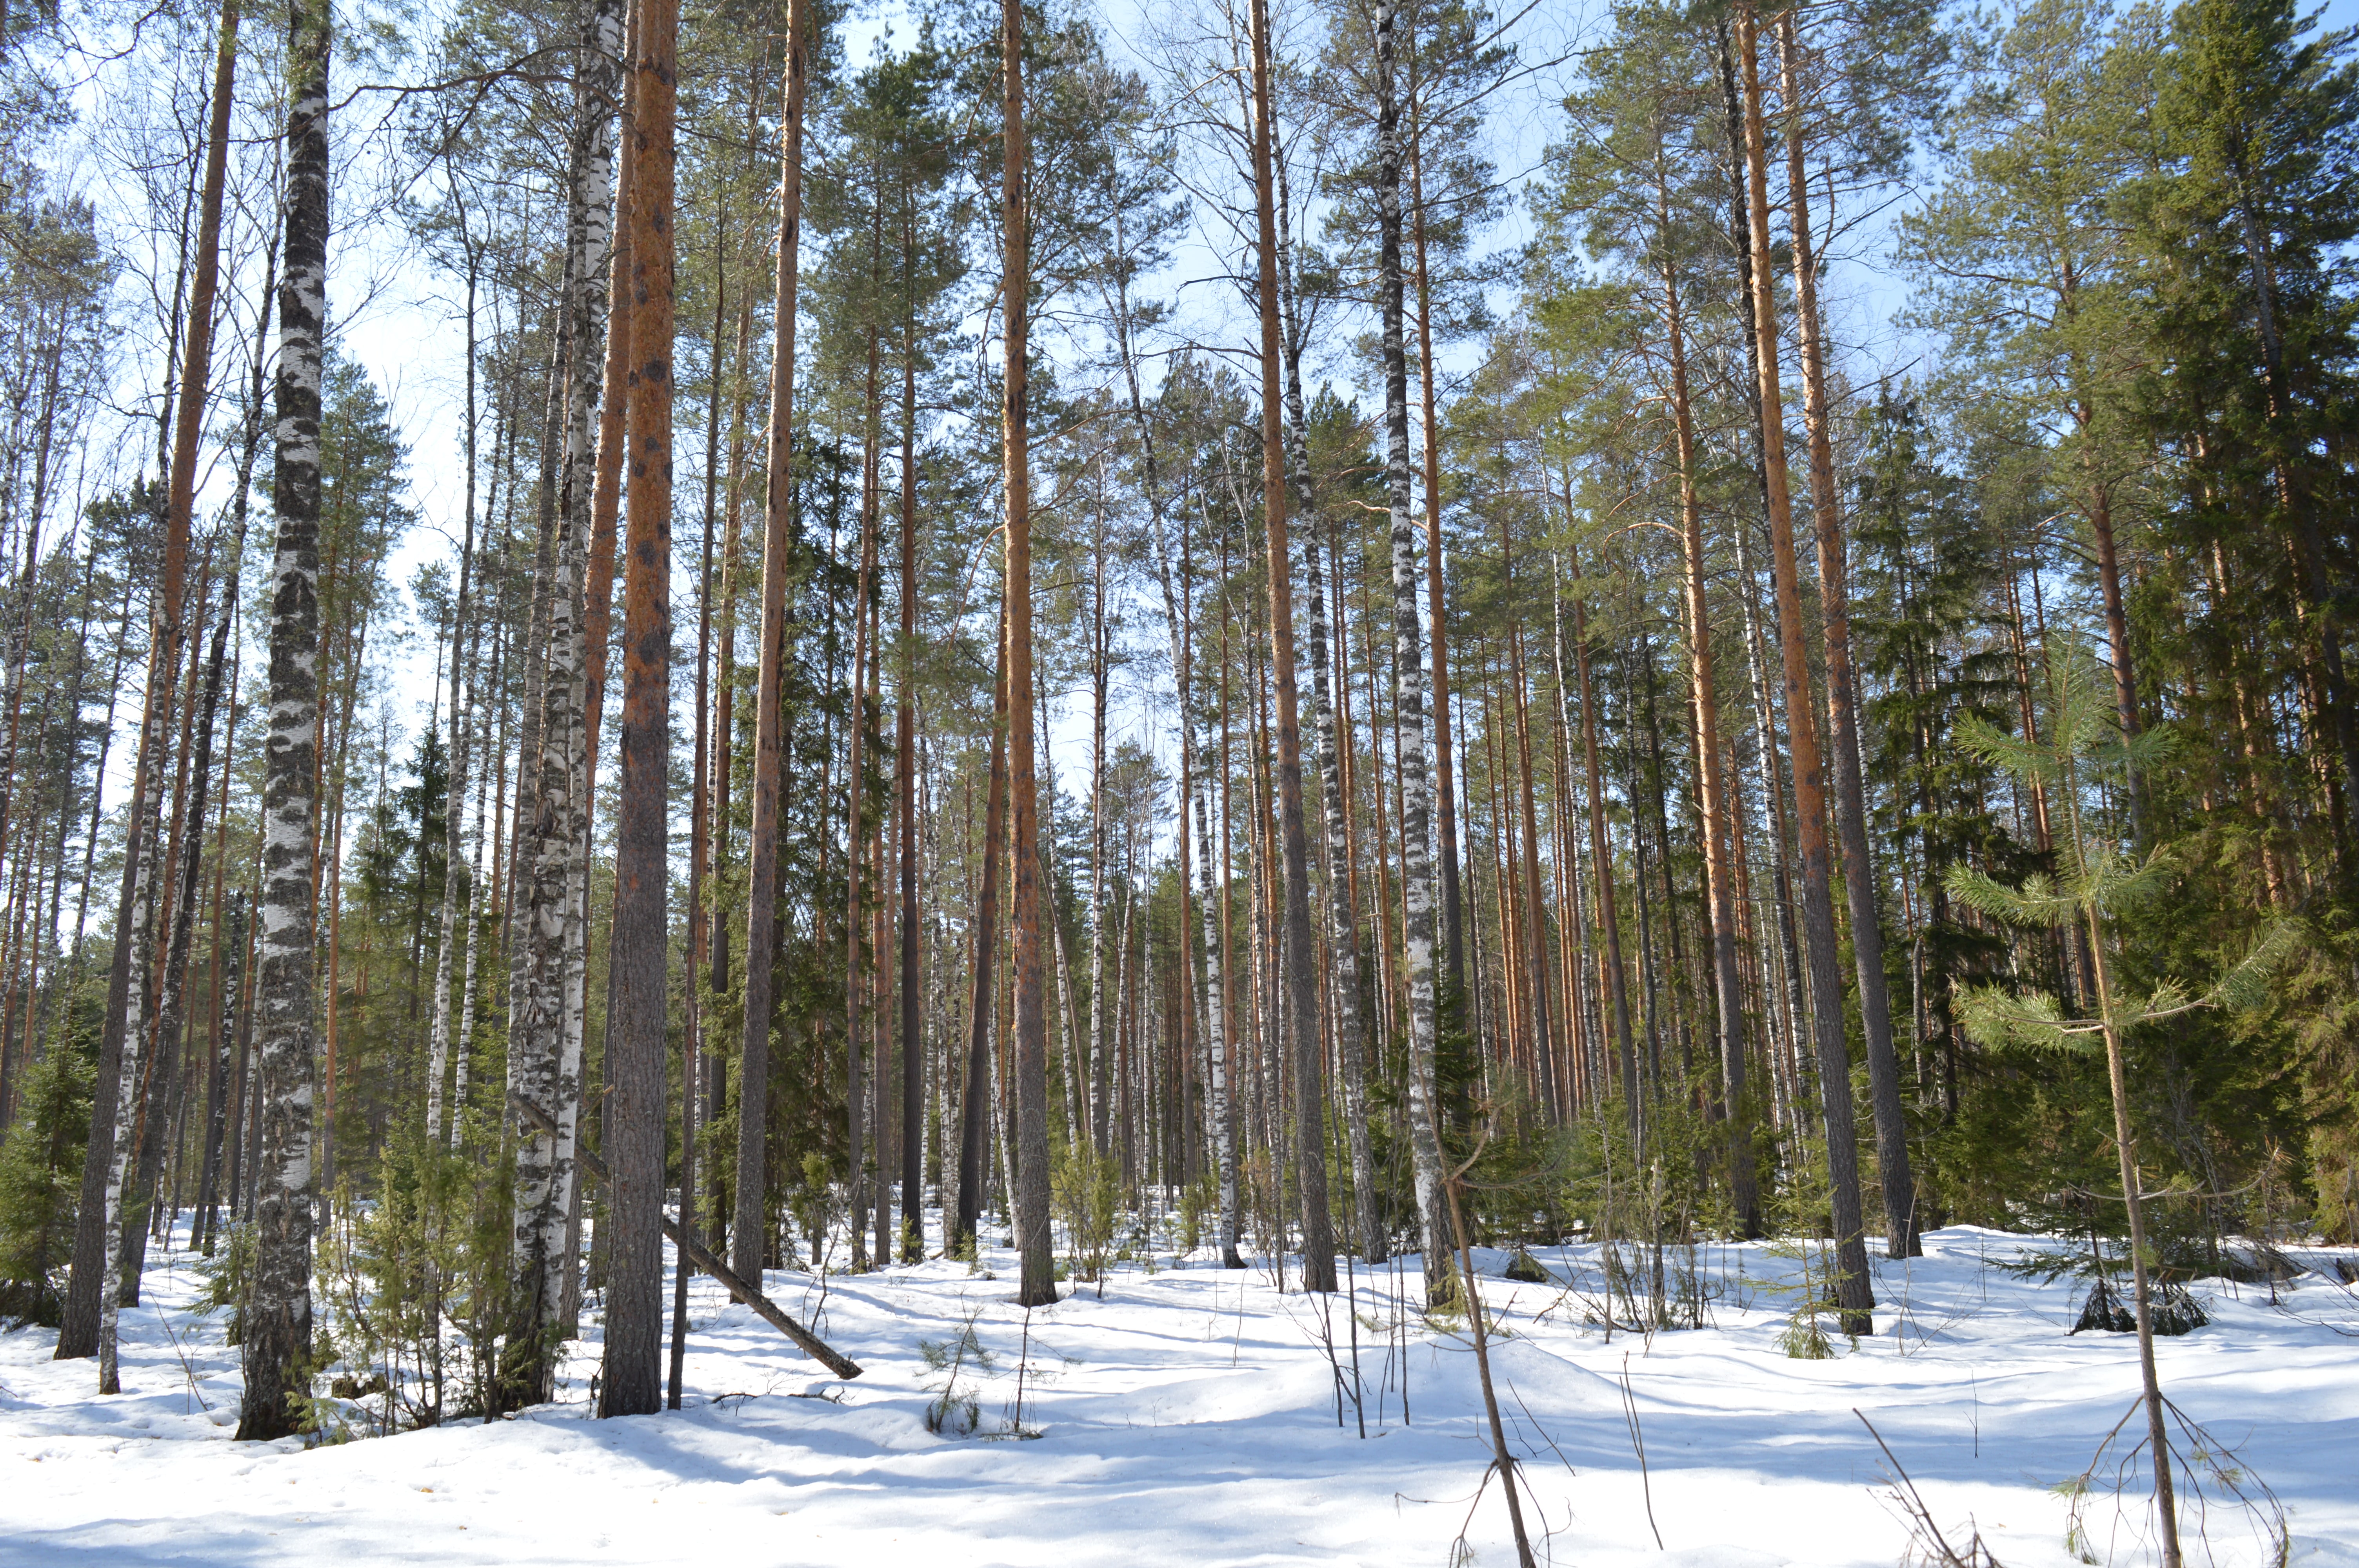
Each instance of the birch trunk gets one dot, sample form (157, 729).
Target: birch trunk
(276, 1335)
(463, 638)
(124, 1140)
(456, 904)
(219, 1097)
(590, 492)
(1409, 683)
(1099, 674)
(905, 780)
(1445, 783)
(544, 1038)
(463, 1043)
(1218, 1043)
(1343, 921)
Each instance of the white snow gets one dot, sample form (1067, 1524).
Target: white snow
(1190, 1417)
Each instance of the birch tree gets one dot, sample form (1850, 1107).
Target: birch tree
(276, 1324)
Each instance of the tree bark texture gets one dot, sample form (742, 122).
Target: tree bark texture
(1300, 981)
(975, 1107)
(635, 1118)
(1843, 728)
(1719, 845)
(1409, 683)
(1037, 1286)
(746, 1234)
(1853, 1288)
(276, 1327)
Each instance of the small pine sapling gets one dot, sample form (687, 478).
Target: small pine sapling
(2085, 745)
(956, 1364)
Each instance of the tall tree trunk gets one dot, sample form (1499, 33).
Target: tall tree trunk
(276, 1327)
(487, 799)
(1572, 913)
(1788, 958)
(1408, 683)
(1719, 847)
(1219, 1031)
(1343, 921)
(905, 784)
(525, 805)
(172, 1006)
(635, 1069)
(724, 729)
(1100, 674)
(1854, 1289)
(700, 833)
(1299, 979)
(544, 1033)
(454, 815)
(974, 1107)
(855, 858)
(220, 1102)
(881, 923)
(1601, 860)
(1445, 783)
(97, 1264)
(1842, 729)
(1039, 1284)
(157, 1099)
(777, 545)
(591, 496)
(1534, 914)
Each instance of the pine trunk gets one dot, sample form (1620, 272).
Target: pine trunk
(1853, 1288)
(1718, 843)
(1039, 1284)
(975, 1108)
(634, 1123)
(1843, 728)
(745, 1251)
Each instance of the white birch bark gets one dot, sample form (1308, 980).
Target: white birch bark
(275, 1325)
(1098, 674)
(463, 1043)
(1408, 678)
(135, 1039)
(1217, 1045)
(544, 1025)
(437, 1063)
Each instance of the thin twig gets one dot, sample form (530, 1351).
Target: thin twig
(1638, 1442)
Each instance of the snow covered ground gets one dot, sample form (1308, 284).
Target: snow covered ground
(1190, 1417)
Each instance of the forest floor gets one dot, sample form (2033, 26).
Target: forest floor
(1189, 1416)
